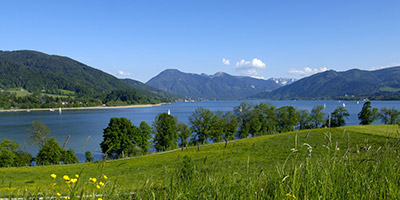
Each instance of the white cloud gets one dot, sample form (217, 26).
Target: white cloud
(125, 74)
(225, 61)
(255, 63)
(250, 68)
(307, 71)
(383, 67)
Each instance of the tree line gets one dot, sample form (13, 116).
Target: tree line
(122, 138)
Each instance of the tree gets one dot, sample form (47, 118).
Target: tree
(145, 136)
(119, 137)
(287, 118)
(165, 132)
(38, 133)
(243, 113)
(69, 157)
(317, 116)
(184, 133)
(384, 115)
(50, 153)
(338, 116)
(229, 126)
(267, 116)
(201, 122)
(367, 115)
(11, 156)
(88, 156)
(304, 119)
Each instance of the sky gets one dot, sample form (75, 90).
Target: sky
(264, 39)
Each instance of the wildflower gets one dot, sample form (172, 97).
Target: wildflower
(67, 182)
(73, 180)
(53, 176)
(67, 198)
(93, 180)
(53, 184)
(66, 177)
(288, 195)
(77, 175)
(105, 177)
(58, 194)
(98, 186)
(294, 197)
(101, 184)
(99, 199)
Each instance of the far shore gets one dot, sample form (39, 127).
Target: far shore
(83, 108)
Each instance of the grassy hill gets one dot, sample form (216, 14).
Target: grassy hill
(353, 162)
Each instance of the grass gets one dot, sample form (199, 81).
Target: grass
(19, 92)
(276, 166)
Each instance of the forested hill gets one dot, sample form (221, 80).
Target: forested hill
(218, 86)
(149, 89)
(41, 74)
(383, 83)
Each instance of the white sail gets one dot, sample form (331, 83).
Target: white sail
(169, 112)
(59, 110)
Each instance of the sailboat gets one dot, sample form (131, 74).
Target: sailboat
(169, 112)
(344, 105)
(59, 110)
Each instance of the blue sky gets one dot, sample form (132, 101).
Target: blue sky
(139, 39)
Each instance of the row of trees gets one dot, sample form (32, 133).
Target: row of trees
(121, 138)
(368, 115)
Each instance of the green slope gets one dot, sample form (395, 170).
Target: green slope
(331, 84)
(242, 158)
(40, 73)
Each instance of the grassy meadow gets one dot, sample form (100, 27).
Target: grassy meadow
(354, 162)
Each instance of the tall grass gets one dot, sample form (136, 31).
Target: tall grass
(321, 164)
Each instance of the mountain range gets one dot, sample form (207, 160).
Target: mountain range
(218, 86)
(383, 83)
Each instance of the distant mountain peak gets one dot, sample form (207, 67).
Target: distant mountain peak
(217, 86)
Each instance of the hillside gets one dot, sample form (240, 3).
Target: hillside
(156, 91)
(240, 170)
(218, 86)
(40, 73)
(332, 84)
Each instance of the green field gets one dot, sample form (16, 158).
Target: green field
(358, 163)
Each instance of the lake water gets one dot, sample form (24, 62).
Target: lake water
(80, 124)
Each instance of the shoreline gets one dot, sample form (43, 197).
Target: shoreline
(84, 108)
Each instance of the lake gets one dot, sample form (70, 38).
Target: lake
(80, 124)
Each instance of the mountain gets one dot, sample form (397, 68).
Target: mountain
(283, 81)
(144, 87)
(332, 84)
(218, 86)
(40, 73)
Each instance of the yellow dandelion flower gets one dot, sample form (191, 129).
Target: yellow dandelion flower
(288, 195)
(294, 197)
(98, 186)
(99, 199)
(53, 184)
(67, 198)
(101, 184)
(67, 182)
(58, 194)
(77, 175)
(53, 176)
(93, 180)
(66, 177)
(73, 180)
(105, 177)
